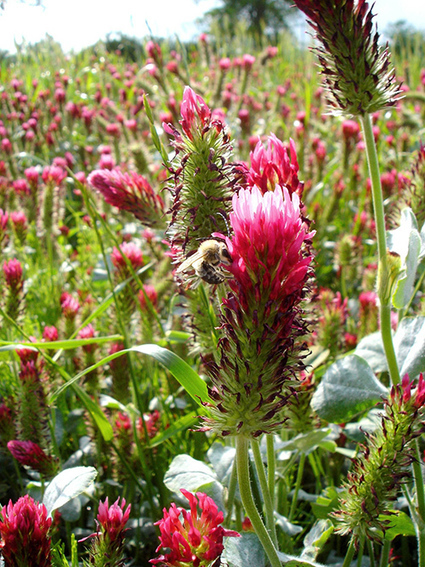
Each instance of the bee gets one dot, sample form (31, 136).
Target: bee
(206, 262)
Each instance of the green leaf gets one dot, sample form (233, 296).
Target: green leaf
(292, 561)
(189, 473)
(181, 424)
(317, 537)
(372, 350)
(399, 524)
(64, 345)
(325, 503)
(409, 344)
(347, 388)
(406, 242)
(306, 442)
(67, 485)
(286, 526)
(182, 372)
(238, 549)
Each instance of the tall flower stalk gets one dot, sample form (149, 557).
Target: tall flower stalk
(263, 330)
(359, 81)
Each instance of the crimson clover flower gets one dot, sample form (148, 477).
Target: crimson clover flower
(203, 178)
(129, 191)
(260, 350)
(273, 166)
(108, 541)
(193, 539)
(32, 455)
(357, 73)
(382, 467)
(24, 531)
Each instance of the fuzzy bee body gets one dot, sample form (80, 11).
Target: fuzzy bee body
(206, 262)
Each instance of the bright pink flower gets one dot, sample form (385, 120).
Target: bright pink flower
(30, 454)
(131, 251)
(12, 270)
(24, 531)
(195, 113)
(113, 519)
(248, 61)
(273, 166)
(70, 306)
(53, 175)
(21, 187)
(262, 321)
(225, 63)
(87, 332)
(267, 246)
(130, 192)
(50, 334)
(192, 539)
(151, 294)
(350, 129)
(406, 396)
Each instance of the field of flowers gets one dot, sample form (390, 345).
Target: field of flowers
(210, 350)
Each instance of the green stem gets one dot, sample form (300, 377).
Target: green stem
(271, 463)
(248, 501)
(383, 268)
(385, 553)
(360, 551)
(297, 486)
(420, 497)
(371, 554)
(268, 502)
(231, 494)
(350, 554)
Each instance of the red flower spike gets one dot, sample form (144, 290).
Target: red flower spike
(129, 191)
(24, 531)
(273, 166)
(195, 113)
(192, 539)
(113, 519)
(32, 455)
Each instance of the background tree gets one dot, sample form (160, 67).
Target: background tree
(264, 18)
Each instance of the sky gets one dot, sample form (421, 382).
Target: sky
(76, 24)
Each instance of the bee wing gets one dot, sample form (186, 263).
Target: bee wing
(188, 263)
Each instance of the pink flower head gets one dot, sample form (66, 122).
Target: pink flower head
(273, 166)
(225, 63)
(53, 175)
(31, 173)
(131, 251)
(150, 292)
(267, 246)
(195, 113)
(21, 187)
(24, 531)
(70, 306)
(50, 334)
(32, 455)
(261, 320)
(248, 61)
(12, 270)
(350, 130)
(192, 538)
(87, 332)
(406, 396)
(130, 192)
(112, 519)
